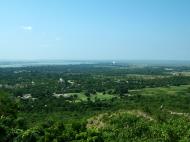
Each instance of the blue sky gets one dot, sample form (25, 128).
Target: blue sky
(95, 29)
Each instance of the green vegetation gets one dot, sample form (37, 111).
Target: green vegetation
(94, 103)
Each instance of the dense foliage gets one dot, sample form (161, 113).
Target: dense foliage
(94, 103)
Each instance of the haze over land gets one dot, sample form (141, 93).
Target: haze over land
(99, 29)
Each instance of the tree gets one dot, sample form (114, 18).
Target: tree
(8, 106)
(121, 88)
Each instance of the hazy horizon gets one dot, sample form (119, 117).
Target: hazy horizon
(95, 30)
(42, 62)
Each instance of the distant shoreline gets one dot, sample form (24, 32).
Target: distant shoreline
(26, 63)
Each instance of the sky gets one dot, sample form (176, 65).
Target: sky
(95, 29)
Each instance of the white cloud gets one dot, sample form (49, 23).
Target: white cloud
(26, 28)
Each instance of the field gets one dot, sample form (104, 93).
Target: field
(82, 97)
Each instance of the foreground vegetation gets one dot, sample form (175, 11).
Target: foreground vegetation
(94, 103)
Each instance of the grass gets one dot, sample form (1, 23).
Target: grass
(172, 90)
(186, 73)
(102, 96)
(82, 97)
(146, 76)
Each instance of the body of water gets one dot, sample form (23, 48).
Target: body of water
(24, 63)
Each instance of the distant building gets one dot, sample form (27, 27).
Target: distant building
(61, 80)
(33, 83)
(26, 96)
(113, 62)
(71, 82)
(61, 95)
